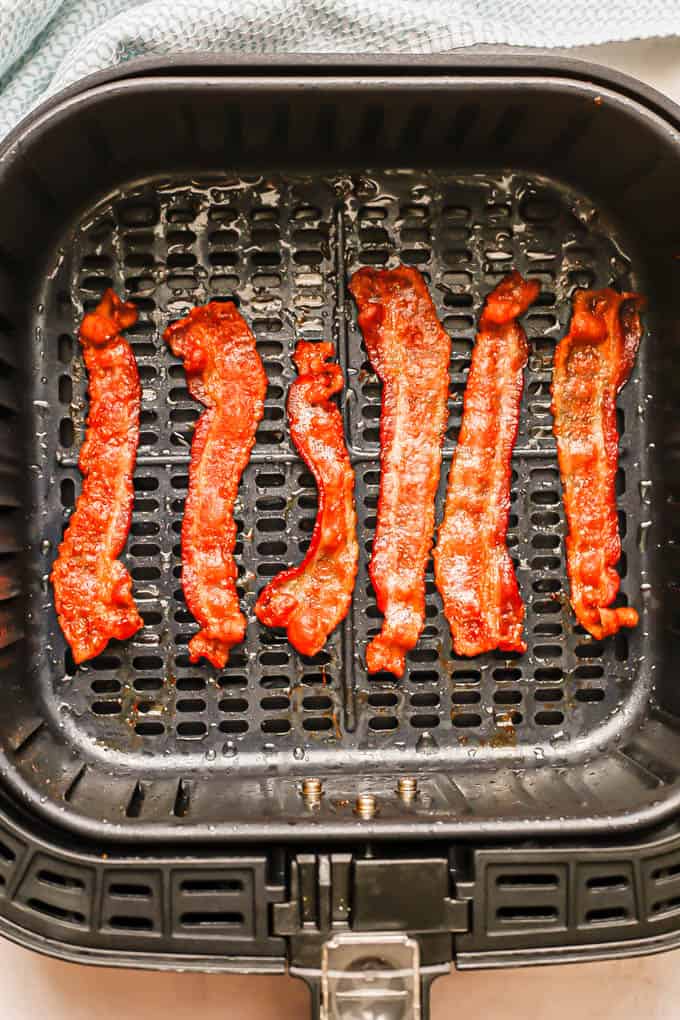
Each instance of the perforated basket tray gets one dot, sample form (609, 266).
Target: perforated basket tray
(271, 189)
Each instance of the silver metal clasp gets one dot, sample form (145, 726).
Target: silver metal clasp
(370, 977)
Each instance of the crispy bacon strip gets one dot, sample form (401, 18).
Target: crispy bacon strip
(592, 363)
(311, 599)
(92, 588)
(224, 372)
(473, 569)
(410, 351)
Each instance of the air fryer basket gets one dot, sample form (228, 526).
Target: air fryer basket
(185, 740)
(270, 187)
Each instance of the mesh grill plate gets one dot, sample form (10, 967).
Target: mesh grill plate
(283, 248)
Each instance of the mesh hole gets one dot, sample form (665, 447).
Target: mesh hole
(507, 697)
(68, 493)
(105, 685)
(545, 519)
(372, 213)
(415, 256)
(190, 705)
(589, 695)
(105, 662)
(271, 503)
(194, 729)
(589, 672)
(233, 705)
(145, 506)
(383, 723)
(222, 213)
(621, 646)
(138, 213)
(270, 524)
(548, 629)
(544, 498)
(190, 683)
(424, 676)
(318, 724)
(545, 563)
(275, 704)
(549, 674)
(106, 707)
(547, 607)
(373, 235)
(548, 694)
(382, 699)
(65, 348)
(317, 703)
(466, 676)
(505, 656)
(233, 726)
(424, 655)
(270, 480)
(545, 541)
(148, 683)
(178, 237)
(547, 651)
(274, 658)
(425, 699)
(233, 681)
(146, 484)
(466, 697)
(272, 548)
(149, 729)
(374, 257)
(65, 389)
(466, 720)
(591, 650)
(145, 528)
(548, 718)
(507, 675)
(275, 726)
(424, 722)
(147, 662)
(269, 569)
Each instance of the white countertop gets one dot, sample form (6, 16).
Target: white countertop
(31, 985)
(36, 987)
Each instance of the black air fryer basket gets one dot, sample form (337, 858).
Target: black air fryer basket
(366, 832)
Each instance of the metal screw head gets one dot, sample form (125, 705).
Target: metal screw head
(312, 791)
(366, 805)
(407, 788)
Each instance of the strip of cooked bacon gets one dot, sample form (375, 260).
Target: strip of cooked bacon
(311, 599)
(592, 363)
(410, 351)
(473, 569)
(225, 372)
(92, 588)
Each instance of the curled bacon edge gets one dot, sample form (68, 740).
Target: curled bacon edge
(224, 371)
(410, 352)
(92, 588)
(592, 364)
(311, 599)
(473, 569)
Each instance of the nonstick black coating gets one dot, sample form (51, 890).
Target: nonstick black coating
(139, 740)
